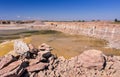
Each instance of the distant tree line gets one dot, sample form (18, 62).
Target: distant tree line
(70, 21)
(116, 20)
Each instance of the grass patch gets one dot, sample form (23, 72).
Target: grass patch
(8, 46)
(4, 49)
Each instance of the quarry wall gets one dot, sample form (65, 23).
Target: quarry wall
(103, 30)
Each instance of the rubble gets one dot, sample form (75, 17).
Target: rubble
(6, 60)
(90, 63)
(37, 67)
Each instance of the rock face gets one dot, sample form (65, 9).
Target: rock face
(91, 63)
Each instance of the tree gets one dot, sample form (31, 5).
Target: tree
(79, 20)
(93, 20)
(116, 20)
(83, 20)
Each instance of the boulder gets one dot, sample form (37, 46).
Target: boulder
(37, 67)
(10, 67)
(31, 47)
(45, 54)
(92, 59)
(1, 58)
(14, 73)
(44, 47)
(15, 69)
(20, 47)
(45, 51)
(34, 61)
(33, 50)
(6, 60)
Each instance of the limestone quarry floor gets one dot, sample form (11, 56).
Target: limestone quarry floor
(72, 45)
(64, 44)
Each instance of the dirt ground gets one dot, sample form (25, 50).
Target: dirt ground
(71, 45)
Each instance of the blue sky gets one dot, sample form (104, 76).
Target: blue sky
(60, 9)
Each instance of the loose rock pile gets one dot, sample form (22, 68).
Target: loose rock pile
(41, 62)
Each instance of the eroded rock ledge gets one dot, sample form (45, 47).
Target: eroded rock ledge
(40, 62)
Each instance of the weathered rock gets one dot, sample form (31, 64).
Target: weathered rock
(45, 51)
(45, 54)
(20, 47)
(44, 47)
(61, 58)
(37, 67)
(45, 64)
(1, 58)
(109, 65)
(41, 74)
(92, 59)
(33, 74)
(116, 65)
(6, 60)
(31, 47)
(15, 69)
(26, 55)
(34, 61)
(33, 50)
(52, 59)
(10, 67)
(17, 72)
(116, 74)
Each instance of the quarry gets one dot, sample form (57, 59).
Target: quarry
(59, 49)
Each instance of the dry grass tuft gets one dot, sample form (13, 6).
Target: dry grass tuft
(8, 46)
